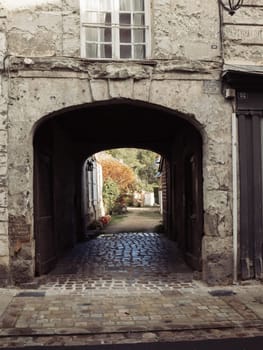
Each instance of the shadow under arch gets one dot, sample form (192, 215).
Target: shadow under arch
(64, 139)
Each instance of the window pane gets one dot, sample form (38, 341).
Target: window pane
(92, 4)
(91, 34)
(92, 50)
(125, 5)
(98, 5)
(125, 19)
(138, 5)
(105, 34)
(139, 52)
(125, 35)
(107, 18)
(125, 51)
(97, 17)
(104, 5)
(138, 19)
(105, 51)
(139, 35)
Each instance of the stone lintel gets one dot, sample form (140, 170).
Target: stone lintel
(119, 70)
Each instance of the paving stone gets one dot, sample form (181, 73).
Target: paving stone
(113, 298)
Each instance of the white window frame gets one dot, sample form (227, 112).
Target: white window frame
(115, 33)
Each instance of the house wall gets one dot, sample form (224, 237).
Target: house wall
(243, 35)
(44, 74)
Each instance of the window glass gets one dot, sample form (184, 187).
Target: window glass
(92, 4)
(138, 19)
(139, 52)
(105, 51)
(105, 34)
(138, 5)
(139, 35)
(97, 17)
(125, 35)
(125, 51)
(125, 19)
(92, 34)
(104, 5)
(92, 50)
(125, 5)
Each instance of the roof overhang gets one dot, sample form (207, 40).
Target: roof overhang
(243, 77)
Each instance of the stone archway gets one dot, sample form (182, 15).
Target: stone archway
(40, 98)
(62, 142)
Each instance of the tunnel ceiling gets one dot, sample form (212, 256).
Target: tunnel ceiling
(120, 121)
(120, 124)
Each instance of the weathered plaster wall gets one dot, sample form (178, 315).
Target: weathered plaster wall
(180, 29)
(184, 76)
(186, 29)
(43, 28)
(4, 242)
(243, 34)
(37, 92)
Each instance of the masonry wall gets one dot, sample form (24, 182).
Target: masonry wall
(4, 241)
(243, 35)
(43, 73)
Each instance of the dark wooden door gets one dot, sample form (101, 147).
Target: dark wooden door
(44, 214)
(193, 210)
(251, 208)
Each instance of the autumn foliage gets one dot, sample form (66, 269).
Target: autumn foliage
(120, 173)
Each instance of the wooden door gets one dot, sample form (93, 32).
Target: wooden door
(44, 213)
(193, 210)
(251, 203)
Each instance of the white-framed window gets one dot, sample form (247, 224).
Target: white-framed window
(115, 29)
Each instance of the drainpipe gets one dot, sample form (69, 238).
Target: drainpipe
(235, 192)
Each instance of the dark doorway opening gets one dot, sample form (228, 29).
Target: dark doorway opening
(62, 143)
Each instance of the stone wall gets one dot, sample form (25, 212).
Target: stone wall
(243, 34)
(4, 242)
(180, 29)
(45, 74)
(38, 92)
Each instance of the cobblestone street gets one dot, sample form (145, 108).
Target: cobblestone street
(123, 260)
(126, 288)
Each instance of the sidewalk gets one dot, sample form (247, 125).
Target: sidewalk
(136, 314)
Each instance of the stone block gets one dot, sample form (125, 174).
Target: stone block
(71, 5)
(3, 197)
(118, 89)
(71, 35)
(4, 244)
(217, 260)
(218, 214)
(4, 272)
(218, 177)
(3, 215)
(22, 270)
(99, 89)
(19, 229)
(35, 33)
(3, 227)
(2, 49)
(142, 90)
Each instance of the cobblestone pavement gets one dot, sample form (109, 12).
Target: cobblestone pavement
(112, 261)
(126, 288)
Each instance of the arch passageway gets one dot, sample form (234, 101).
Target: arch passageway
(62, 143)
